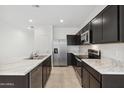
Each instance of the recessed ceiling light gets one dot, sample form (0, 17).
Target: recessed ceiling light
(30, 20)
(61, 20)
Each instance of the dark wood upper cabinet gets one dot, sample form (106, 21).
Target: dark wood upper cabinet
(73, 40)
(110, 24)
(107, 26)
(96, 29)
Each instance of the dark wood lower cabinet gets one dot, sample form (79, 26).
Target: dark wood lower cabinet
(88, 81)
(85, 79)
(46, 70)
(93, 79)
(41, 73)
(93, 82)
(36, 77)
(71, 61)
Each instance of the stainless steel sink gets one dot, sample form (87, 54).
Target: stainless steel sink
(36, 58)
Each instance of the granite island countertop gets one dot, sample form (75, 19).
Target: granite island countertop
(20, 67)
(106, 66)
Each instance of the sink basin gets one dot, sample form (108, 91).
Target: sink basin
(36, 58)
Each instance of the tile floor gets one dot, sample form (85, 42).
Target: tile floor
(63, 77)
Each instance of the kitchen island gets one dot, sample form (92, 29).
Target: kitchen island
(25, 73)
(102, 73)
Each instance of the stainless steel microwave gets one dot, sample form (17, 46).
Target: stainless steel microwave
(85, 37)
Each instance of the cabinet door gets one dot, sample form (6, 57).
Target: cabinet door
(121, 22)
(36, 78)
(78, 39)
(96, 28)
(73, 39)
(94, 83)
(49, 66)
(44, 73)
(85, 78)
(73, 61)
(110, 24)
(69, 59)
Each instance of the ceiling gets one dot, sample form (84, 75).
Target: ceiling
(18, 15)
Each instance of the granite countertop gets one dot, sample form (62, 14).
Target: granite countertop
(106, 66)
(20, 67)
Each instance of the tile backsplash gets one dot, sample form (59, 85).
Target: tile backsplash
(113, 51)
(73, 49)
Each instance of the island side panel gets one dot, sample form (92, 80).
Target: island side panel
(14, 81)
(113, 81)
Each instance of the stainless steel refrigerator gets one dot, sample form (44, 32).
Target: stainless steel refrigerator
(60, 53)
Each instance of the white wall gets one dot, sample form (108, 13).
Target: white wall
(61, 32)
(114, 51)
(43, 39)
(73, 49)
(15, 41)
